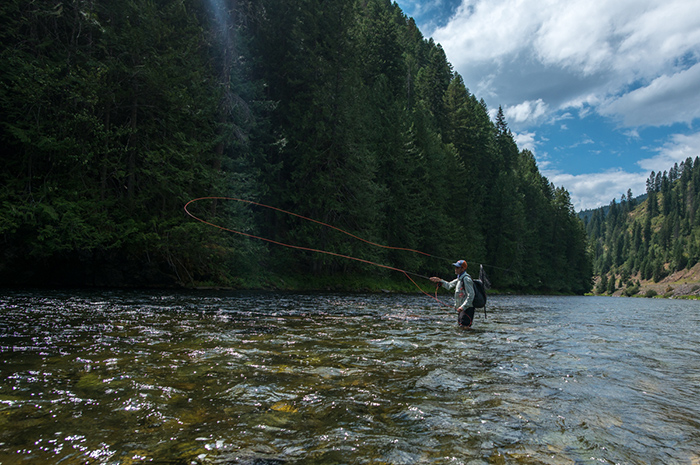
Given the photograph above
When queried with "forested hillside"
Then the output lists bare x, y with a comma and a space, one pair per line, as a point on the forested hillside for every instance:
633, 241
116, 113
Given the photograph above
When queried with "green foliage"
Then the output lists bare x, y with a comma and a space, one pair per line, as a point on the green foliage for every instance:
631, 288
654, 237
115, 114
611, 285
110, 113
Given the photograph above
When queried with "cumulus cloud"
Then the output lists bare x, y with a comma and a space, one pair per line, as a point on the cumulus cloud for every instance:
678, 148
526, 111
485, 31
666, 100
526, 141
587, 51
592, 190
577, 34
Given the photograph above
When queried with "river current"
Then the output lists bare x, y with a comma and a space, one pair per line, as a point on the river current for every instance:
125, 377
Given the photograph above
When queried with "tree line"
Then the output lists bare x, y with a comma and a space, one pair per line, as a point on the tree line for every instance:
116, 113
648, 239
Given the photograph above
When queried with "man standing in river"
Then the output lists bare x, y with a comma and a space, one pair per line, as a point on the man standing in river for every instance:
464, 293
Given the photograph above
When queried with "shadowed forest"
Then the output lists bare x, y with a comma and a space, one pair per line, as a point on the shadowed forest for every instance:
114, 114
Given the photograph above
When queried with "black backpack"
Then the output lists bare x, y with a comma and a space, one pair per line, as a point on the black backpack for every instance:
479, 294
480, 287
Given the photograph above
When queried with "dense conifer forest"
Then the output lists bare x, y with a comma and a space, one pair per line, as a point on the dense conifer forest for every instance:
114, 114
650, 237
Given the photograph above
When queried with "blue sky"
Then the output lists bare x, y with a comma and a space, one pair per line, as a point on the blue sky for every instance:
601, 91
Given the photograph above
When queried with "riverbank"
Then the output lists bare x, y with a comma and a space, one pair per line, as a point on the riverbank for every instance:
684, 284
309, 283
354, 283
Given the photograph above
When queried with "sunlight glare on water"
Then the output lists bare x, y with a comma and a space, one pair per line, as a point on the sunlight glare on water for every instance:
224, 377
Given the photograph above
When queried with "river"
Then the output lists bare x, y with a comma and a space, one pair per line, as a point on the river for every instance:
124, 377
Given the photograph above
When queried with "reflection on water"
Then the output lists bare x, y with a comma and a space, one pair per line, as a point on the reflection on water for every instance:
255, 378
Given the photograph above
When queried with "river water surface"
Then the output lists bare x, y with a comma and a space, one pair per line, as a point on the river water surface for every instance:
269, 378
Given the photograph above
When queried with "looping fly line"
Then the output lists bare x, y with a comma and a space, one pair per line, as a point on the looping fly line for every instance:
309, 249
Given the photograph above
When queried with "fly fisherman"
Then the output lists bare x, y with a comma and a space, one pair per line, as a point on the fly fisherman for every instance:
464, 293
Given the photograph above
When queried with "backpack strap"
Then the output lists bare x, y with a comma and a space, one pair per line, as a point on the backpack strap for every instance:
464, 284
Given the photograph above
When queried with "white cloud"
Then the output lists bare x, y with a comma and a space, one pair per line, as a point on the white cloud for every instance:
633, 134
592, 190
657, 34
485, 31
577, 34
556, 118
526, 141
677, 149
527, 111
666, 100
576, 53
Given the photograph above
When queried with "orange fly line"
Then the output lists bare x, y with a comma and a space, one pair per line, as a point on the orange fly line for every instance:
308, 249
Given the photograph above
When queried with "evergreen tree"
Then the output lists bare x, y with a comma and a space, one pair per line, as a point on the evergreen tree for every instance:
611, 285
115, 114
108, 135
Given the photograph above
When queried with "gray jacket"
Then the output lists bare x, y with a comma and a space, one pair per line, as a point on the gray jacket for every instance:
464, 290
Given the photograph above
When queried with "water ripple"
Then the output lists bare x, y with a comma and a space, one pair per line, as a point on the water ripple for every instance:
217, 377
